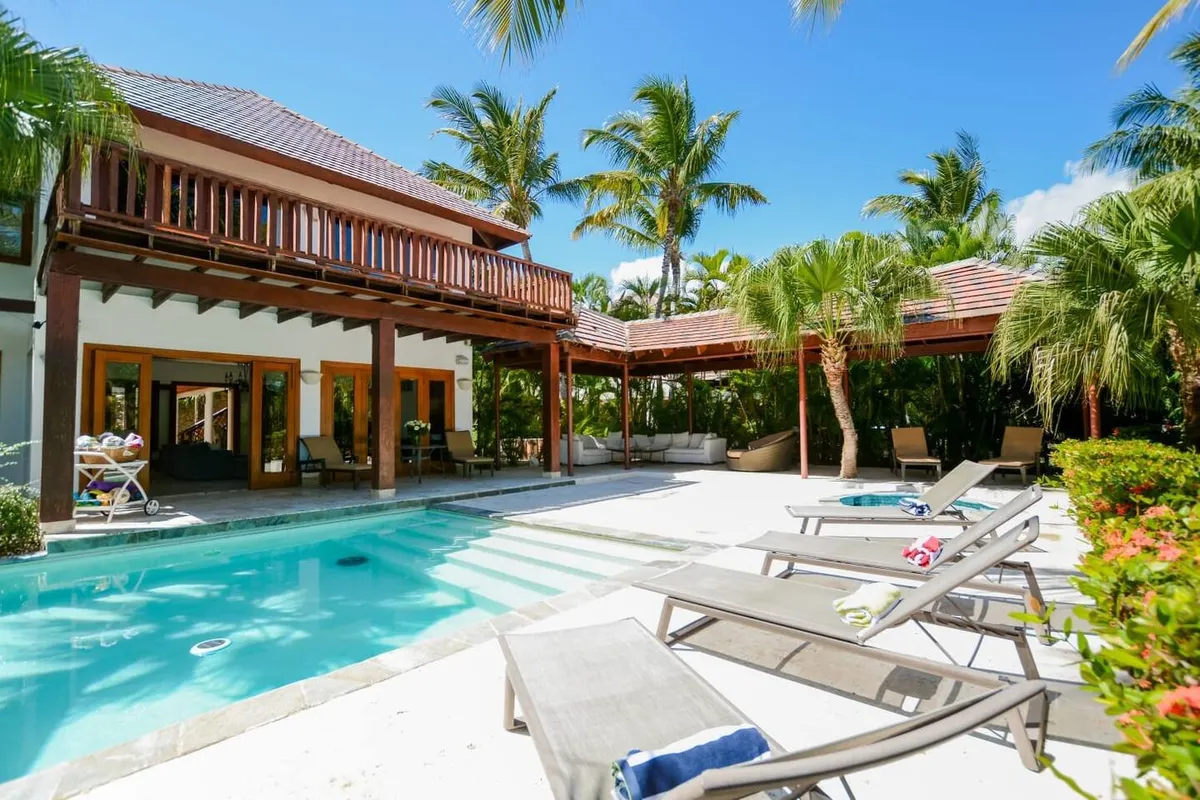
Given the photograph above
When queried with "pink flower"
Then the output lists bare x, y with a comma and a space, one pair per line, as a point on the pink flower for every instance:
1140, 539
1158, 511
1183, 701
1169, 552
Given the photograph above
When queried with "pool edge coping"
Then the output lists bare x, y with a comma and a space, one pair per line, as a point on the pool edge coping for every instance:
83, 774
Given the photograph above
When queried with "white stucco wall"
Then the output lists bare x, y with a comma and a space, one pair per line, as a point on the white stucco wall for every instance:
128, 320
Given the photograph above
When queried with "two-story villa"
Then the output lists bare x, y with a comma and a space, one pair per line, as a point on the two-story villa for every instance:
245, 278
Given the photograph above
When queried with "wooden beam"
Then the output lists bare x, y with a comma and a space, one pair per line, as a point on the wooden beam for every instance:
689, 398
351, 324
802, 420
248, 309
100, 268
206, 304
451, 338
496, 402
409, 330
383, 395
285, 315
625, 411
551, 409
58, 398
430, 335
14, 306
107, 290
159, 297
322, 319
570, 418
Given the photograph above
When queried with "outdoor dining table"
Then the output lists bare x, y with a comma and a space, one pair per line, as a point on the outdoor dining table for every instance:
418, 454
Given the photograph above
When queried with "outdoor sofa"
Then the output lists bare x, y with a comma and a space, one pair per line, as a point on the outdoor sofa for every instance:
589, 450
672, 448
768, 454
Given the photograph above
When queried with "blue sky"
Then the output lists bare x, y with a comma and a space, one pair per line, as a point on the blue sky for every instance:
827, 119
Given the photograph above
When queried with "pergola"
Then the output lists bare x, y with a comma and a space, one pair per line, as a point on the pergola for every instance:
974, 295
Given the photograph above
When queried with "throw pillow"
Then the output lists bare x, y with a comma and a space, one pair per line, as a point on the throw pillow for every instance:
696, 441
679, 440
614, 442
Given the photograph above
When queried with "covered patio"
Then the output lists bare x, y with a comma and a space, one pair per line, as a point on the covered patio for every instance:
974, 295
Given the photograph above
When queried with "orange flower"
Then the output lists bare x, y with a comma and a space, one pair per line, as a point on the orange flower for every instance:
1169, 552
1103, 506
1124, 508
1140, 538
1157, 511
1183, 701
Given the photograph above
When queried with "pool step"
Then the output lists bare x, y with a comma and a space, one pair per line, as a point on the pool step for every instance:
590, 566
545, 579
630, 555
484, 589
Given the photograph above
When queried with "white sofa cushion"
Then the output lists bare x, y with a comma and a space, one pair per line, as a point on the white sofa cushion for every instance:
678, 440
711, 451
695, 440
614, 441
641, 440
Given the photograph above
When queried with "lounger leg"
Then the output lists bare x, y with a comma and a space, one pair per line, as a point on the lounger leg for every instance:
511, 723
903, 473
1038, 714
664, 620
1017, 727
1024, 477
768, 559
1035, 603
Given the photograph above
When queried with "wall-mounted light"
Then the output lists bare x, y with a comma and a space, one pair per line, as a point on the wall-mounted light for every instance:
310, 376
461, 360
464, 383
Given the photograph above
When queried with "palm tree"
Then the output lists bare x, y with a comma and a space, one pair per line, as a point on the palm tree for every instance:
638, 299
847, 293
1119, 286
1156, 134
710, 276
51, 100
591, 291
955, 193
662, 181
506, 166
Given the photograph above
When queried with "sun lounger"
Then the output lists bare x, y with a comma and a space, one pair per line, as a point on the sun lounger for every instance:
804, 609
462, 451
910, 450
1020, 449
590, 695
940, 498
325, 449
882, 556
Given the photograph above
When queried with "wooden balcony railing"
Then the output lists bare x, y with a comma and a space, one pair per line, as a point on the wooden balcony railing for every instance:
176, 198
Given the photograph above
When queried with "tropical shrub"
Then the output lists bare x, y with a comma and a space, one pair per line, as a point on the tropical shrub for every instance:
19, 532
1137, 504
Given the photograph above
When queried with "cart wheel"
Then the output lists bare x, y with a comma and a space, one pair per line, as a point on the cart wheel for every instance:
151, 508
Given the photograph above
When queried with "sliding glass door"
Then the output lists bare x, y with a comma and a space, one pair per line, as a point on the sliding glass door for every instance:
274, 423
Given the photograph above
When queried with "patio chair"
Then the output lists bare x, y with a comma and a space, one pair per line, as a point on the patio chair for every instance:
462, 451
1020, 449
324, 448
804, 609
940, 498
910, 450
768, 454
883, 557
589, 695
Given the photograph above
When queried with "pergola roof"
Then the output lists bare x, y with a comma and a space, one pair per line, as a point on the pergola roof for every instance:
974, 294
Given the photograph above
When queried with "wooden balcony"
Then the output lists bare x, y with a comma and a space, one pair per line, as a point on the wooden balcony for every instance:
231, 217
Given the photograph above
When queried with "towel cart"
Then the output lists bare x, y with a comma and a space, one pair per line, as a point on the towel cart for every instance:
125, 472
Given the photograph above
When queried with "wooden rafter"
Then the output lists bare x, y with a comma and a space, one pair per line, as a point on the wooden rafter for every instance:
248, 309
160, 297
430, 335
351, 324
407, 330
322, 319
107, 290
451, 338
205, 304
284, 315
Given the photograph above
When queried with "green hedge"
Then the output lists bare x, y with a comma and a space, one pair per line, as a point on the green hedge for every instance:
1137, 504
19, 532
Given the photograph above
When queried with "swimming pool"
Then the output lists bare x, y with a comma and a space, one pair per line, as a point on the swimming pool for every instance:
96, 650
894, 498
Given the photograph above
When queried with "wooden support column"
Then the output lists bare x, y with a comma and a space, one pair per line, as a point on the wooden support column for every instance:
551, 411
58, 398
689, 394
496, 406
625, 411
383, 397
570, 417
803, 418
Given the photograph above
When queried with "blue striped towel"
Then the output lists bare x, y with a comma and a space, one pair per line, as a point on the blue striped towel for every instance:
647, 774
915, 507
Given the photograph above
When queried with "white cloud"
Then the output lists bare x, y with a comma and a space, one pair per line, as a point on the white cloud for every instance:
1061, 201
649, 267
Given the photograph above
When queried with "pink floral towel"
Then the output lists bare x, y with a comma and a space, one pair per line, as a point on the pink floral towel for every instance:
923, 552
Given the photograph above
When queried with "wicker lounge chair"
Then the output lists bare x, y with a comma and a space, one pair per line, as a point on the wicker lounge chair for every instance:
804, 609
589, 695
1020, 449
324, 448
462, 451
910, 450
768, 454
940, 498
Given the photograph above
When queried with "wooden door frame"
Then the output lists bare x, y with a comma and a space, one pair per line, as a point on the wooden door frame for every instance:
289, 477
93, 393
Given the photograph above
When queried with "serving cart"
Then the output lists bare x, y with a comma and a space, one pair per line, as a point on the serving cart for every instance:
97, 465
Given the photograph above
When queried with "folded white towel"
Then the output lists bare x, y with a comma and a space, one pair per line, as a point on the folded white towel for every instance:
868, 604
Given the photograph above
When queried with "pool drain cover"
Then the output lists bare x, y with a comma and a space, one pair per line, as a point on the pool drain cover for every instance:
351, 561
209, 646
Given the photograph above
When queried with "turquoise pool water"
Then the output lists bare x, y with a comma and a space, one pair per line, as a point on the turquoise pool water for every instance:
94, 650
894, 498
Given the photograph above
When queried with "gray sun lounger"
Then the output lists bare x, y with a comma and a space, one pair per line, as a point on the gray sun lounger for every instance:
804, 609
589, 695
940, 497
882, 556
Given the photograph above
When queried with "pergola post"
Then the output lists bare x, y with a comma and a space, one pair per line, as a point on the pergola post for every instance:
551, 411
570, 417
496, 407
689, 395
803, 417
383, 395
625, 411
58, 409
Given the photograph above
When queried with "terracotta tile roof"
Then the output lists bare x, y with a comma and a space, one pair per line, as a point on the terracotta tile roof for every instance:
972, 288
253, 119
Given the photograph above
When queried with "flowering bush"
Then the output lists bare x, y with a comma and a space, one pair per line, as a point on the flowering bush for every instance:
19, 532
1138, 504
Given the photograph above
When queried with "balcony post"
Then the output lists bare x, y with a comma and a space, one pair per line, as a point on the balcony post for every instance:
383, 395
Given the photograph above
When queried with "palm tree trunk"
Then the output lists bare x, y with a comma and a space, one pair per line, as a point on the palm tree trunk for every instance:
525, 251
668, 245
833, 362
676, 289
1093, 400
1187, 362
